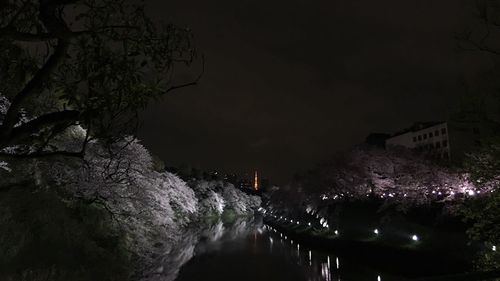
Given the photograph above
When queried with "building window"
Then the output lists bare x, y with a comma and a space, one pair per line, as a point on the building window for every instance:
446, 155
445, 143
430, 135
419, 138
443, 131
436, 133
414, 139
438, 144
425, 136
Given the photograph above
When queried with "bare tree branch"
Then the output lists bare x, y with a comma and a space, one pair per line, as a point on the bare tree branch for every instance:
192, 83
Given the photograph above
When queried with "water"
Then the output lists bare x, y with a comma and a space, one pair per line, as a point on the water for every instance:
253, 251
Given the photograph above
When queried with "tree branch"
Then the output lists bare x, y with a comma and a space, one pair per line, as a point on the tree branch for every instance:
13, 34
192, 83
36, 125
25, 36
11, 117
45, 154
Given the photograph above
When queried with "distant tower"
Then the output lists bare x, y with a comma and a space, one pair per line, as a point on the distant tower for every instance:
256, 182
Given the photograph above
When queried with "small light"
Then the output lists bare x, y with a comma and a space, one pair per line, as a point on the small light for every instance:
494, 248
336, 232
309, 224
379, 278
414, 237
375, 231
298, 223
471, 192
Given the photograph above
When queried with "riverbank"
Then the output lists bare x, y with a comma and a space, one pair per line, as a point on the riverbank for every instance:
414, 260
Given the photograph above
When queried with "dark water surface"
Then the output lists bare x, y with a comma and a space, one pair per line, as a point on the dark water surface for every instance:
253, 251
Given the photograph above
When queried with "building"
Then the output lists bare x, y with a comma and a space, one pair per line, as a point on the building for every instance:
256, 182
429, 137
449, 140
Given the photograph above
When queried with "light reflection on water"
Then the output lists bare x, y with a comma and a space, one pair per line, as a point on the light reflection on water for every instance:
318, 265
252, 251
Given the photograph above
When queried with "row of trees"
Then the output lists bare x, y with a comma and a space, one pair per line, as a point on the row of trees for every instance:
81, 198
370, 172
113, 207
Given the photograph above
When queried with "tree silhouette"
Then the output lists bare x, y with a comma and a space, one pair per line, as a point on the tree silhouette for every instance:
88, 63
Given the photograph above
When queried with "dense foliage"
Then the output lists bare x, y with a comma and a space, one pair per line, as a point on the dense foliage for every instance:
84, 63
398, 175
143, 212
81, 198
484, 213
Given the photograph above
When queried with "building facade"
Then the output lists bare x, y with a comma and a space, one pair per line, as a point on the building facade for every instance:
432, 138
449, 140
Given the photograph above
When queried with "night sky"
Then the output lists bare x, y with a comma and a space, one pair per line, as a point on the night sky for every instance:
288, 83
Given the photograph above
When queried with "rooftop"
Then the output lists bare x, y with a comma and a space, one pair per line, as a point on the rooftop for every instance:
417, 127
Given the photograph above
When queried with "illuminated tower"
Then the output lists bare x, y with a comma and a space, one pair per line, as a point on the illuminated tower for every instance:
256, 182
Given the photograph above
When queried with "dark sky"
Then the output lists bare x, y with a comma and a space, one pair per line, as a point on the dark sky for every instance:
288, 83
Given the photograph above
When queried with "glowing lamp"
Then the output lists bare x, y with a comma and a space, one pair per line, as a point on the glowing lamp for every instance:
414, 237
